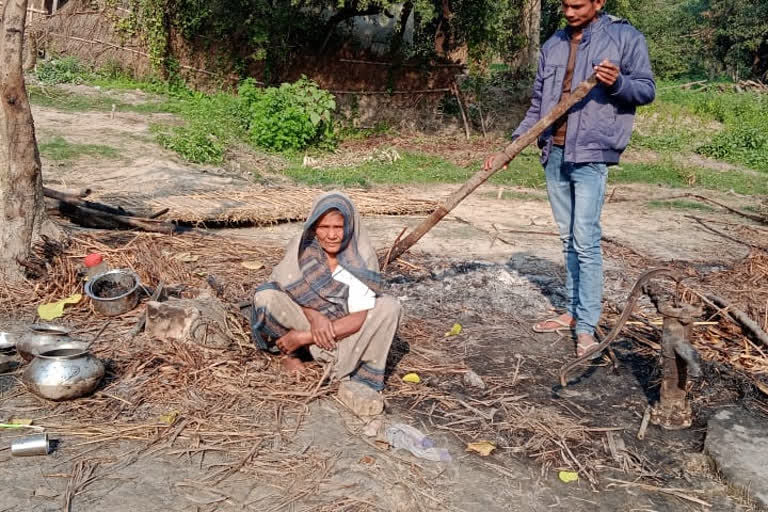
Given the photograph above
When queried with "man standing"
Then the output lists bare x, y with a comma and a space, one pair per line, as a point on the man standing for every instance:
579, 146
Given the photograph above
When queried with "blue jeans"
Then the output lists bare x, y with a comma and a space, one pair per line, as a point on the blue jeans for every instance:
576, 193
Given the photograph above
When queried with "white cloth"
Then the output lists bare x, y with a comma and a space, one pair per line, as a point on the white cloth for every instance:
361, 298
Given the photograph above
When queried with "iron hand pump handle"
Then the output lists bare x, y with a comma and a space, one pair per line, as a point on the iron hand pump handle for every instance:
637, 290
500, 160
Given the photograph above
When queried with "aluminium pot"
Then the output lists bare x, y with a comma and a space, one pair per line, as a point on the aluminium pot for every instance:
63, 373
114, 292
40, 335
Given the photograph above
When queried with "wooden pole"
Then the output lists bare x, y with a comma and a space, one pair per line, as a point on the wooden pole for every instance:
499, 161
455, 88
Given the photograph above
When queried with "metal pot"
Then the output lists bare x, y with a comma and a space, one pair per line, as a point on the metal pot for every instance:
114, 292
40, 335
8, 340
63, 373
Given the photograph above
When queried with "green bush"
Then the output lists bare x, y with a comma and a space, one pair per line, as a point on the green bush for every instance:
290, 117
744, 144
65, 70
194, 144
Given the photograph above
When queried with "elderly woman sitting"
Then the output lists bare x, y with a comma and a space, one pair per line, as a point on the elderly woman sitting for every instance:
326, 295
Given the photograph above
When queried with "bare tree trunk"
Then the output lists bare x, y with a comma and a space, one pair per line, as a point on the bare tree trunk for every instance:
22, 206
532, 23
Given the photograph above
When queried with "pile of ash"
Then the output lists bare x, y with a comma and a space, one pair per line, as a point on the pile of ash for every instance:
477, 291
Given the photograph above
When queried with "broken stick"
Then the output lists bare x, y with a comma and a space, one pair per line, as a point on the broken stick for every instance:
499, 161
742, 318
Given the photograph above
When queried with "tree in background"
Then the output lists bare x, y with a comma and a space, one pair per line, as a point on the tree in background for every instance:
22, 207
270, 31
692, 38
738, 36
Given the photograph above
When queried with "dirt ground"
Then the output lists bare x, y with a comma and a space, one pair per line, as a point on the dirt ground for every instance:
494, 267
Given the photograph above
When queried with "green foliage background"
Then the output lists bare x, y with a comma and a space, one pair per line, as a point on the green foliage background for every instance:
693, 38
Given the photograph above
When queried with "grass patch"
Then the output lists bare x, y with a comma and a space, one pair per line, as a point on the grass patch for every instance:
679, 204
727, 126
292, 116
517, 195
677, 176
52, 97
212, 121
411, 168
524, 172
59, 149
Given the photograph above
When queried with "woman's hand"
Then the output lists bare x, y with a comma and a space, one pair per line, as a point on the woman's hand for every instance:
323, 335
321, 328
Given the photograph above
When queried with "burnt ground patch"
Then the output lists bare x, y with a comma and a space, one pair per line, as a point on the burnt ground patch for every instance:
522, 408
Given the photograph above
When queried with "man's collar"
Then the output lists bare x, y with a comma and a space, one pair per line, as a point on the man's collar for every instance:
586, 31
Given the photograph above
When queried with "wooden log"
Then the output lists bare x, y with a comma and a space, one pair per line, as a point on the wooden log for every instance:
76, 199
499, 161
742, 318
102, 219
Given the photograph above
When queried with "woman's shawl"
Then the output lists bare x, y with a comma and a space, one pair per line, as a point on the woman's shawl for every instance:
304, 273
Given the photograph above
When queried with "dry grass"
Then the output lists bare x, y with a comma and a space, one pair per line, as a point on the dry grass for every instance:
260, 205
189, 400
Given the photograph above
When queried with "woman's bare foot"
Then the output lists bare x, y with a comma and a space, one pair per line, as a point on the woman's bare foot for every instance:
291, 342
293, 364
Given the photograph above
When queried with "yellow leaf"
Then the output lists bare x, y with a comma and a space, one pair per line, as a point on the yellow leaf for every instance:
413, 378
169, 418
484, 448
568, 476
20, 421
56, 309
253, 265
455, 330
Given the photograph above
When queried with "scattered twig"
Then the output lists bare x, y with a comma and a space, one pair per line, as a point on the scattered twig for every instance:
756, 218
742, 318
456, 93
679, 493
703, 224
644, 423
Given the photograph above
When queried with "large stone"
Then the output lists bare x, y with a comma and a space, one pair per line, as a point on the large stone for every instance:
738, 443
202, 320
361, 399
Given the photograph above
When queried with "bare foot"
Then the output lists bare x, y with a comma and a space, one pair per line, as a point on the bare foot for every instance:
290, 343
292, 364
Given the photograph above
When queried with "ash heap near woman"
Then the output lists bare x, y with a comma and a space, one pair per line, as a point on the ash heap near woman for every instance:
325, 298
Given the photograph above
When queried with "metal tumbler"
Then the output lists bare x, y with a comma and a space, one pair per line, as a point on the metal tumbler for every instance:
30, 445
